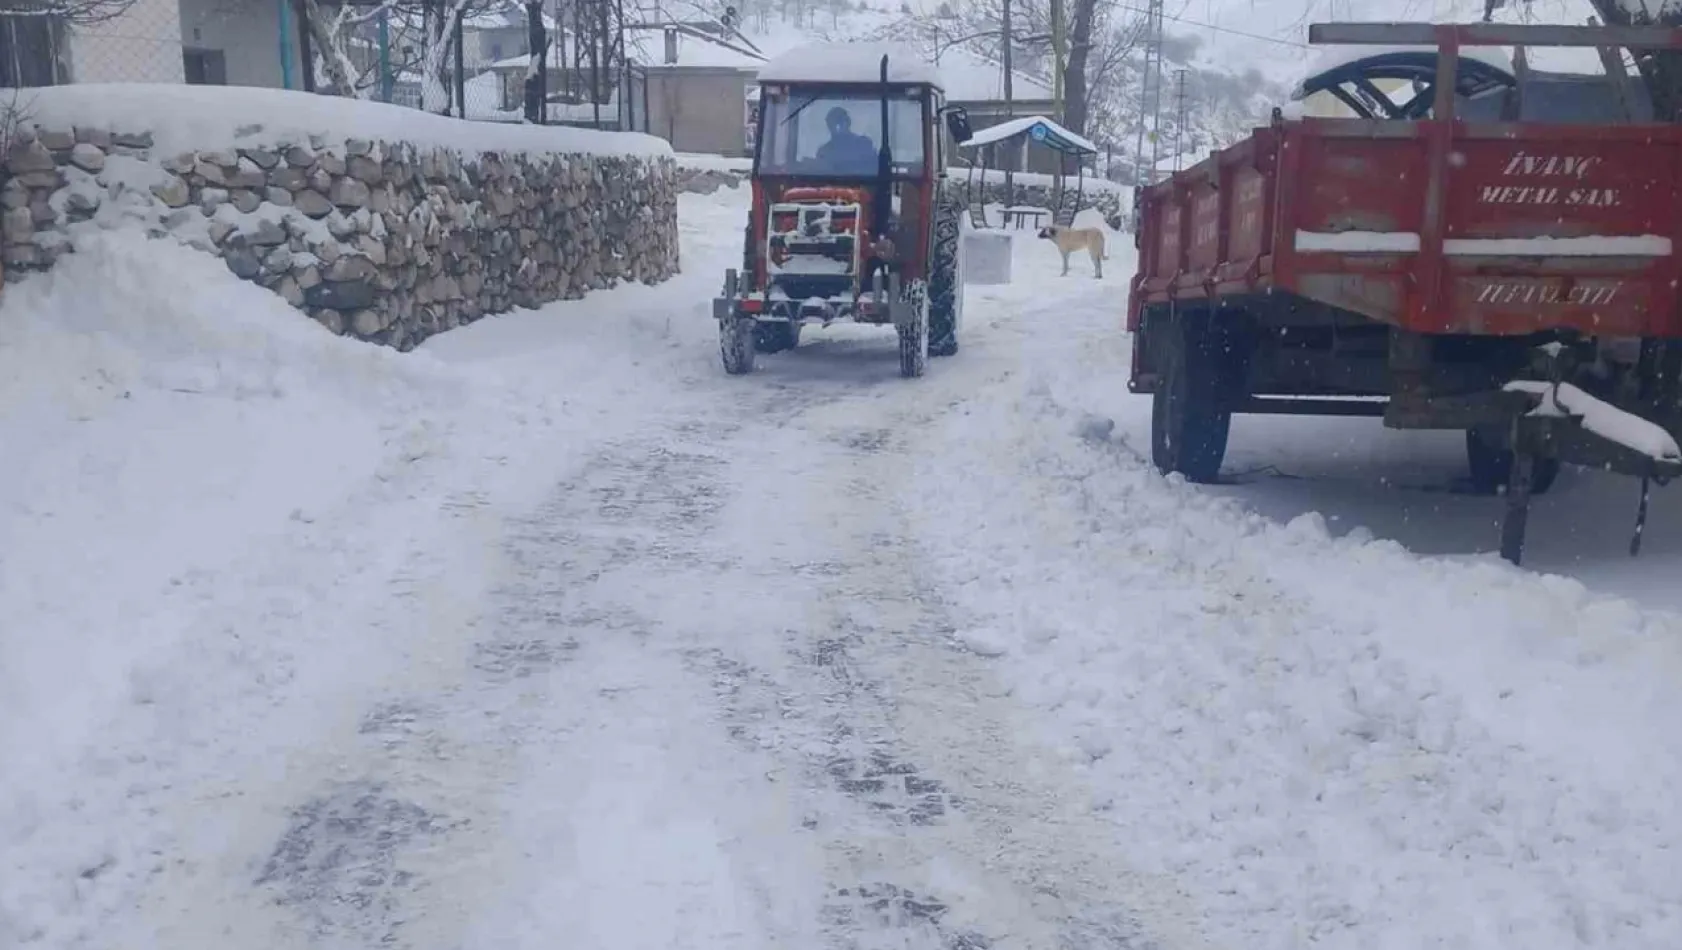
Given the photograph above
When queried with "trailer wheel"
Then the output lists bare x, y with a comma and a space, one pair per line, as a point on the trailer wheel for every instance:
735, 345
1491, 465
772, 337
1190, 421
946, 290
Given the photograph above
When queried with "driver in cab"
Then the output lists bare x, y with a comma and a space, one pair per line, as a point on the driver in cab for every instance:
846, 152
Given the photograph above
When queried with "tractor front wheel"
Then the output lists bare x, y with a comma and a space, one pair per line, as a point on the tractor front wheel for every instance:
735, 345
913, 330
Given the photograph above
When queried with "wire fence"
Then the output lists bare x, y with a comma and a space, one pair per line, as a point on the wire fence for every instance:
410, 53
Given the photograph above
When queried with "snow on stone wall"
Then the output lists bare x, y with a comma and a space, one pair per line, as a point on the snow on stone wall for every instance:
388, 240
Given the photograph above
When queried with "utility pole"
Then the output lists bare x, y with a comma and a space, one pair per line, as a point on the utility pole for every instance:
1179, 112
1006, 39
1150, 95
1059, 56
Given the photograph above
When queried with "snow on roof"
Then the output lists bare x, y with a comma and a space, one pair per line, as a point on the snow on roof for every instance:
648, 47
1036, 127
185, 118
969, 77
851, 63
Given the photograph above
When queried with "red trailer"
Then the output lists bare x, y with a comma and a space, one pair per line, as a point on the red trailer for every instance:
1462, 259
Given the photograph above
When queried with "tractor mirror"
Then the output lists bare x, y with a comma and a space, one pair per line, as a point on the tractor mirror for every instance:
957, 122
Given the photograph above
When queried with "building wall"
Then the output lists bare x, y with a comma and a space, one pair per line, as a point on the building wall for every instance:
247, 33
141, 44
699, 110
487, 46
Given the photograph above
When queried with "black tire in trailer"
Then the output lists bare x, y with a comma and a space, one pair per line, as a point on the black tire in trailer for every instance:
1191, 414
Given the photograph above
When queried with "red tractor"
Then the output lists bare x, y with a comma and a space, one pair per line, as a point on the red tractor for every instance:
853, 217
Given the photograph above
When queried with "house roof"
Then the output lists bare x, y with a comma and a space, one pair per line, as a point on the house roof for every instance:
974, 78
851, 63
648, 47
510, 18
1037, 128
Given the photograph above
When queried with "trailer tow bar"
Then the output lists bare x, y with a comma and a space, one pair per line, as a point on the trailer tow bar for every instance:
1641, 511
1517, 519
1640, 517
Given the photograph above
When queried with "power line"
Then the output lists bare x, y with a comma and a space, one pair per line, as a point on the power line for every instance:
1217, 29
1179, 112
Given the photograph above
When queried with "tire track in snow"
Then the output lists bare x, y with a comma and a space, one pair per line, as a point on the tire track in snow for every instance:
1001, 859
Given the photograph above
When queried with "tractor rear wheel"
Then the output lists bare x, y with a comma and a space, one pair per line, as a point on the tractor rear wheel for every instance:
1190, 418
946, 286
1491, 465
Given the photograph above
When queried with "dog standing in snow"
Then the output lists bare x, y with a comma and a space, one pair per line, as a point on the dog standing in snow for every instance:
1070, 240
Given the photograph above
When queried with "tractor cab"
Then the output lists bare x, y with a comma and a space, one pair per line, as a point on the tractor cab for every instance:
852, 215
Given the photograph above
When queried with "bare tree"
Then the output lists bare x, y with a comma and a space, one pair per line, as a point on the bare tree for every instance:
1661, 70
421, 39
70, 12
1085, 59
537, 69
335, 31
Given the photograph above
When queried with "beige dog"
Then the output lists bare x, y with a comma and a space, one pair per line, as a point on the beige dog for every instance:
1070, 240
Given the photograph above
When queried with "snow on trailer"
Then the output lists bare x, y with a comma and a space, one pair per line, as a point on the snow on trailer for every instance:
1274, 277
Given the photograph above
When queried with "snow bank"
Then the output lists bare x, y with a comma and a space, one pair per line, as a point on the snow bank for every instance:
228, 537
161, 420
714, 163
1328, 743
184, 118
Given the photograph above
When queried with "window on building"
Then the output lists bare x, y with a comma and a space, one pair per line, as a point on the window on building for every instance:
205, 67
28, 48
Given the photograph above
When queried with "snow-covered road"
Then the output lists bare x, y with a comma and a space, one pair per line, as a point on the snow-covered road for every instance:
552, 635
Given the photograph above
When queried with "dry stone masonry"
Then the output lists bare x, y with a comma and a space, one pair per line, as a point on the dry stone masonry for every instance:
385, 241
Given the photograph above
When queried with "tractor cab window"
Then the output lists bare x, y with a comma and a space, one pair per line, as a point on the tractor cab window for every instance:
838, 135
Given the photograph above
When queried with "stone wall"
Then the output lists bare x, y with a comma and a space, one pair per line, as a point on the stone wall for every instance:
1100, 195
385, 241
